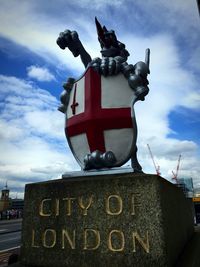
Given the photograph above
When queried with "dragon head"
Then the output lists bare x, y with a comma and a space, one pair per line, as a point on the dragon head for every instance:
111, 47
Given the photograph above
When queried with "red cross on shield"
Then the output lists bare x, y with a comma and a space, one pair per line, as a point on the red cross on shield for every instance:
100, 116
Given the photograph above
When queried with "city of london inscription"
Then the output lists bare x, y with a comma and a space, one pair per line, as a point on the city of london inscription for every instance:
75, 234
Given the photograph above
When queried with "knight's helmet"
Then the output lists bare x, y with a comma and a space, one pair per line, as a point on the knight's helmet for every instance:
111, 47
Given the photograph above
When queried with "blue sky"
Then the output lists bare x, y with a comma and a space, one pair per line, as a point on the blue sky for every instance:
33, 68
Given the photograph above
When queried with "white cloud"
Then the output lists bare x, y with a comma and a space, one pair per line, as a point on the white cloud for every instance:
35, 31
33, 27
171, 86
32, 135
97, 5
192, 100
40, 74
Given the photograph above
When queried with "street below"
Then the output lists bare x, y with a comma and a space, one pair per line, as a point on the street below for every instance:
7, 226
10, 239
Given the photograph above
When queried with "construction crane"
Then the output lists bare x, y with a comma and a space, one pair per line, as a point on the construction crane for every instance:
157, 168
175, 174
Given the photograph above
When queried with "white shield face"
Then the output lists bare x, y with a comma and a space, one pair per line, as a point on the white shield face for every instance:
100, 116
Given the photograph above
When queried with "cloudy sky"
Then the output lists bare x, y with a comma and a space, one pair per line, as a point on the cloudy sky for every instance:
32, 69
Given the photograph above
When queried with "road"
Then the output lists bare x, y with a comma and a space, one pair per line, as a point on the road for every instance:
10, 226
10, 239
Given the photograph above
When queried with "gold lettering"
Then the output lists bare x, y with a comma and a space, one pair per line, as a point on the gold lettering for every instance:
57, 207
144, 244
41, 208
118, 210
134, 202
69, 205
33, 240
120, 237
94, 245
85, 207
49, 244
70, 240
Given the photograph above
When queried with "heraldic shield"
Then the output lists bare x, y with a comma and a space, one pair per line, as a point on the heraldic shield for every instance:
100, 119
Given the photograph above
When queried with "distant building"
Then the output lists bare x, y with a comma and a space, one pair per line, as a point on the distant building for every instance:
197, 192
186, 184
5, 200
17, 204
196, 201
10, 208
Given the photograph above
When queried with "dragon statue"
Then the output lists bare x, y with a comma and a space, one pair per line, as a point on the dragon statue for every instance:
113, 61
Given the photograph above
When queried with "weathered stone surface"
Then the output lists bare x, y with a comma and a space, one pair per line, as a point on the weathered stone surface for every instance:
190, 254
128, 220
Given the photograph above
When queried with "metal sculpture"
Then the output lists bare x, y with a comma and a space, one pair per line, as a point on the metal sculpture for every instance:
101, 127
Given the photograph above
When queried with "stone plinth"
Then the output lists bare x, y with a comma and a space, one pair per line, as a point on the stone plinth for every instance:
106, 220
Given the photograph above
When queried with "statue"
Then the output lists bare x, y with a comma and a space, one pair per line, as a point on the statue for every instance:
101, 127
